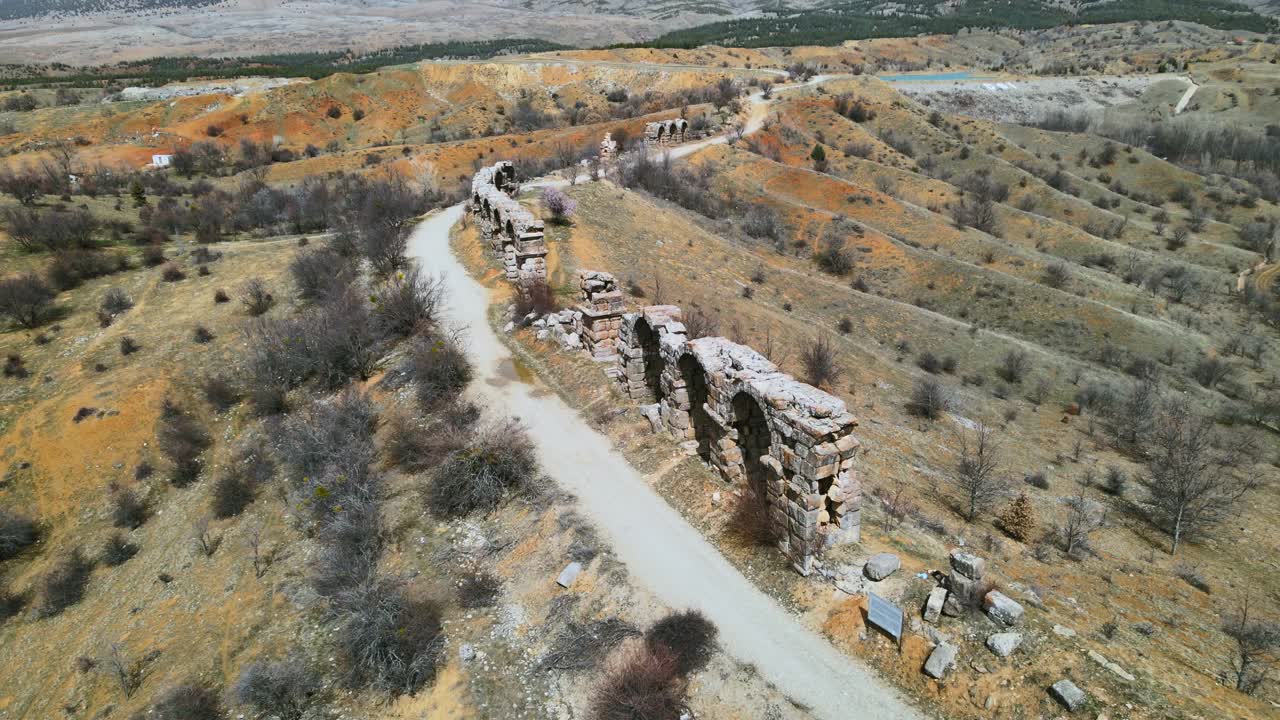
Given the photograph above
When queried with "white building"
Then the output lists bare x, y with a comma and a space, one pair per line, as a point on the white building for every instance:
161, 161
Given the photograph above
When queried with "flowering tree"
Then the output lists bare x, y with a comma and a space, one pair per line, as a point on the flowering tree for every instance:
560, 206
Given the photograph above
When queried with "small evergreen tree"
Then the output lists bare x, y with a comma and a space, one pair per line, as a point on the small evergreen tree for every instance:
1019, 518
819, 158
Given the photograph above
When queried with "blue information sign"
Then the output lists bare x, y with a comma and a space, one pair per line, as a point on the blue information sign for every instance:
884, 615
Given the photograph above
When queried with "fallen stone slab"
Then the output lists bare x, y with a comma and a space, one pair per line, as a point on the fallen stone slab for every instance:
1003, 644
569, 574
1001, 608
933, 606
881, 566
1113, 667
941, 661
1066, 692
1063, 631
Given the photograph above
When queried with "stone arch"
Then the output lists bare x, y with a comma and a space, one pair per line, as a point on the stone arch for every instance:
662, 131
696, 388
754, 440
648, 340
511, 230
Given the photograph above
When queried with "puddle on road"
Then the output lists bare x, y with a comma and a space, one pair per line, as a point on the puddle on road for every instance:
511, 370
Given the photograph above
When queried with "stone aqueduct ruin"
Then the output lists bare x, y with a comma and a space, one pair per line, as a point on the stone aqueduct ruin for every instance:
790, 442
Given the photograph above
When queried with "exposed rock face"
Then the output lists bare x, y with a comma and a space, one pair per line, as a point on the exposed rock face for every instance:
1002, 609
881, 566
941, 661
1003, 644
1066, 692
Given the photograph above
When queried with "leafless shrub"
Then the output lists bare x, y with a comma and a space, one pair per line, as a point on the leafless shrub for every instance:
256, 297
415, 445
172, 273
440, 370
479, 590
283, 688
202, 335
64, 586
127, 673
497, 464
821, 367
182, 440
1192, 577
643, 685
1014, 366
206, 541
129, 346
321, 273
26, 300
117, 550
116, 301
220, 393
232, 493
11, 603
388, 640
688, 635
187, 701
930, 399
584, 647
750, 523
220, 296
17, 532
407, 302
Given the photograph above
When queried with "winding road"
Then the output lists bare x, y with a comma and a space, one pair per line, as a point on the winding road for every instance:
661, 551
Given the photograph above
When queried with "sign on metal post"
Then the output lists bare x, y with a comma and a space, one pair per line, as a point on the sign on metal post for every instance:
885, 615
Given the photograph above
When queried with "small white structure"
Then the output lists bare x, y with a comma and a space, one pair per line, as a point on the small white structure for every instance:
161, 161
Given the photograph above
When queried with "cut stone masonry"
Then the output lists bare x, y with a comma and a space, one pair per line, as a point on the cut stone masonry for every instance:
512, 233
789, 442
666, 132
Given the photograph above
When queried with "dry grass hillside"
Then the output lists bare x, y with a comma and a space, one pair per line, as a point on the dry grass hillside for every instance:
967, 272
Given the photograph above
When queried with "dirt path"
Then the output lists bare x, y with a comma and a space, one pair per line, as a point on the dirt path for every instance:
661, 550
1186, 96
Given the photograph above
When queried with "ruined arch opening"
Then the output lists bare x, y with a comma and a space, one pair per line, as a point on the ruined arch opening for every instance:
511, 230
695, 384
652, 354
754, 441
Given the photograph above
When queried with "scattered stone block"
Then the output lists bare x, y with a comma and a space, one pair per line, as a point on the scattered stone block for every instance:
1002, 609
1003, 644
941, 661
968, 564
933, 606
569, 575
1063, 631
881, 566
1113, 667
1066, 692
952, 607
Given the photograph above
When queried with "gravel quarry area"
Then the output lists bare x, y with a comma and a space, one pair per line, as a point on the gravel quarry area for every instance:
193, 89
1019, 100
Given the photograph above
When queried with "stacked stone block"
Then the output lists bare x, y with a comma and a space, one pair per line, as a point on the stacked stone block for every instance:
602, 306
964, 584
640, 359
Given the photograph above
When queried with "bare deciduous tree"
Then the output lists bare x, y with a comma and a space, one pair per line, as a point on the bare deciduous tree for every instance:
977, 473
1192, 490
1257, 647
1082, 517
